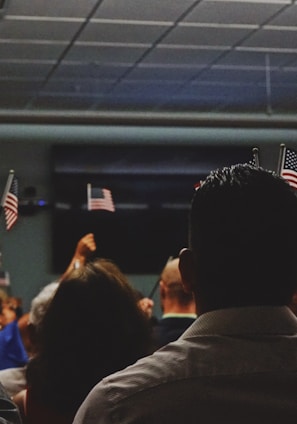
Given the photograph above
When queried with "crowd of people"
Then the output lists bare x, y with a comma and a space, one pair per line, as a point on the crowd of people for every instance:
91, 351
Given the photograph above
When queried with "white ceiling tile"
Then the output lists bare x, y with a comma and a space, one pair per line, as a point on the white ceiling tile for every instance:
153, 10
62, 102
288, 17
227, 75
38, 30
14, 101
121, 33
206, 36
292, 62
90, 70
285, 96
162, 73
287, 76
273, 39
14, 85
232, 12
251, 58
104, 54
28, 51
237, 93
78, 86
58, 8
24, 70
181, 56
154, 86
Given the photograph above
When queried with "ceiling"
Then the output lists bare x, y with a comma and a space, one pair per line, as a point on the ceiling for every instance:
151, 56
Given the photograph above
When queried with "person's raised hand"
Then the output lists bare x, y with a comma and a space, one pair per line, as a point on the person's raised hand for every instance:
85, 246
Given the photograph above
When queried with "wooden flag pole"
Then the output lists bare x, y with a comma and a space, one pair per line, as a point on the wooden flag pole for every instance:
256, 157
89, 196
158, 280
281, 159
7, 187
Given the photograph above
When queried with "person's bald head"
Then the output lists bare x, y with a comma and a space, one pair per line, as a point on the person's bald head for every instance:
171, 287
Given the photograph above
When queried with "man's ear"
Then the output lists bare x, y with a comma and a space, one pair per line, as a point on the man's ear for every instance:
162, 287
187, 270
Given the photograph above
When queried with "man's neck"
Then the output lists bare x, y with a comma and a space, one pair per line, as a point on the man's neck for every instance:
175, 308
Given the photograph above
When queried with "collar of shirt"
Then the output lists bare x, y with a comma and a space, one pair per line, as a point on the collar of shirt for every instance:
179, 315
258, 320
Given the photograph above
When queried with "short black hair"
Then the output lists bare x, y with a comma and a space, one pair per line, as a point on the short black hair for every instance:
243, 232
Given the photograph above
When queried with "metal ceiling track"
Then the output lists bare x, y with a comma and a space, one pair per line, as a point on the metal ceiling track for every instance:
172, 119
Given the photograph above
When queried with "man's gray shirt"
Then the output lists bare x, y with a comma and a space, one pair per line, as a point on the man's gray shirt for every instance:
231, 366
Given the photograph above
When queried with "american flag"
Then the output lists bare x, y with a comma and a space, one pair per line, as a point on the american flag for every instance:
289, 168
197, 185
10, 204
4, 279
99, 198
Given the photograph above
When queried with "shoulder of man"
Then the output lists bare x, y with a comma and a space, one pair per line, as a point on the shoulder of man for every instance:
108, 397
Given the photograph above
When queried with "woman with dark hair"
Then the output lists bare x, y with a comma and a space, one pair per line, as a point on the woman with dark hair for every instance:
92, 328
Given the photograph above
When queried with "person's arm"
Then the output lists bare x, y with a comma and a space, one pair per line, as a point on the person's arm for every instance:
84, 248
9, 412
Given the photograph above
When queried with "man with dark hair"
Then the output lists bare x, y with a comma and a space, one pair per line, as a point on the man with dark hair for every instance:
237, 363
243, 229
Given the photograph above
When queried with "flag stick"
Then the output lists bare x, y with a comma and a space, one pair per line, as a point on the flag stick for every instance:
89, 195
281, 158
7, 187
268, 84
256, 156
158, 280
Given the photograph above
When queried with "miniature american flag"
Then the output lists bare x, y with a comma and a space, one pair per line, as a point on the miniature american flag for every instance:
289, 169
99, 198
10, 204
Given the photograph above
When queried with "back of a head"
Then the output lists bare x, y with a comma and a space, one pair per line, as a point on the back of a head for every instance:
92, 328
171, 278
96, 307
243, 232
